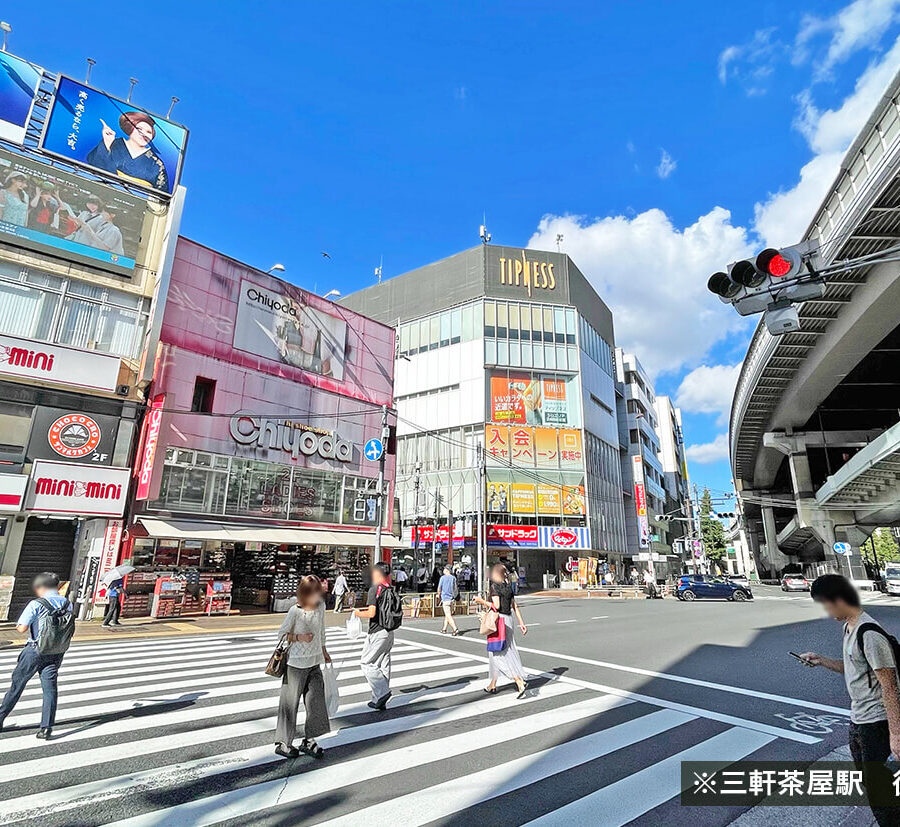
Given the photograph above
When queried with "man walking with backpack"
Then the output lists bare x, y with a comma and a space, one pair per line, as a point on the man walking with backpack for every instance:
384, 611
869, 667
49, 621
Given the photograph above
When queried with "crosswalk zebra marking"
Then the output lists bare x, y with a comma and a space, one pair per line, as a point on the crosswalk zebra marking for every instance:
91, 793
239, 802
646, 789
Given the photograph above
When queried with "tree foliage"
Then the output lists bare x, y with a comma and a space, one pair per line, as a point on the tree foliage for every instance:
711, 531
886, 548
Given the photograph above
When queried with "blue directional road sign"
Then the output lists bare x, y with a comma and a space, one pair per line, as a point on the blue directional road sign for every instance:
842, 548
373, 450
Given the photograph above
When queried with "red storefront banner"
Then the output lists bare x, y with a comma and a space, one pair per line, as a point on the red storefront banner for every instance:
109, 557
152, 425
425, 533
513, 536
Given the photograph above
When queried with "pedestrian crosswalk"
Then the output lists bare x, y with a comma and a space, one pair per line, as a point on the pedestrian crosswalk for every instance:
180, 732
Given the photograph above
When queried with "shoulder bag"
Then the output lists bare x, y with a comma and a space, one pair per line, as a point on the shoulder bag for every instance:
277, 666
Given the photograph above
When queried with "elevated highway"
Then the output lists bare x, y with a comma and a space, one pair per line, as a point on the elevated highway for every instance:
813, 430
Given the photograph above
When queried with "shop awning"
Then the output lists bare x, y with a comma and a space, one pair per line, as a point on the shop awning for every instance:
201, 530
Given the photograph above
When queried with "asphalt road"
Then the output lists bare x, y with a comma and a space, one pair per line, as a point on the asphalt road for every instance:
179, 731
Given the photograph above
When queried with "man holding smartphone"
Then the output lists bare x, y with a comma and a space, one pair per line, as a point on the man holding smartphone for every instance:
869, 667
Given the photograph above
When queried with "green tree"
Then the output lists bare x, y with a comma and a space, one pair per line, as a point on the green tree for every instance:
711, 531
886, 548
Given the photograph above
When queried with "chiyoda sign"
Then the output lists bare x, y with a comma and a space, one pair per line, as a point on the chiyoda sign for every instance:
292, 437
69, 488
152, 424
64, 365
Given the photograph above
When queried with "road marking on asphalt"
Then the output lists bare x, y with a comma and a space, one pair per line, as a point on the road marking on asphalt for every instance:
697, 712
441, 800
600, 617
735, 690
238, 802
625, 800
567, 621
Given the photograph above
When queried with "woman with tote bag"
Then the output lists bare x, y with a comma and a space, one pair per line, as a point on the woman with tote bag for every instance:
304, 630
503, 657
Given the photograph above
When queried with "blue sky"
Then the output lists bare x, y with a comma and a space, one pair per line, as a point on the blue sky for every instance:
662, 139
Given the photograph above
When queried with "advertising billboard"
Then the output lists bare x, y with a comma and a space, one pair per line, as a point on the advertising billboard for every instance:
526, 399
281, 326
19, 81
75, 436
543, 498
640, 501
112, 137
87, 490
522, 447
50, 211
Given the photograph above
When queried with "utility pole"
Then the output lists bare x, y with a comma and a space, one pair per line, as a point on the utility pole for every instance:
695, 509
416, 485
434, 539
385, 433
480, 523
450, 536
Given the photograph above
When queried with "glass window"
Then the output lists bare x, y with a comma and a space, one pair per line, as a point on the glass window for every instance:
490, 319
26, 312
570, 327
424, 334
513, 321
548, 324
404, 338
515, 354
502, 352
78, 323
414, 337
455, 326
434, 336
478, 323
559, 321
549, 356
468, 331
445, 329
573, 358
536, 325
525, 323
526, 355
502, 320
538, 355
490, 351
561, 361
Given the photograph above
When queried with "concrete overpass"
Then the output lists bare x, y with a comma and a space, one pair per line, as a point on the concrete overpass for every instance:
814, 439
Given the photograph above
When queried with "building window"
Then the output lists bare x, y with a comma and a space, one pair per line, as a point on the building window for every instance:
204, 391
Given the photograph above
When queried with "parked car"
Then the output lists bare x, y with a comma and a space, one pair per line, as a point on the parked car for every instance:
794, 583
697, 586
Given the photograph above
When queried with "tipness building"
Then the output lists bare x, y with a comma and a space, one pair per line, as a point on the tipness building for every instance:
509, 351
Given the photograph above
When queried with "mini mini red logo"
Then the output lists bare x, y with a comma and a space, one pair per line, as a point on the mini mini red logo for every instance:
74, 436
564, 537
23, 358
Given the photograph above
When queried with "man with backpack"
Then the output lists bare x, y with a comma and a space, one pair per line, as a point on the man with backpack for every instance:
869, 667
49, 621
384, 611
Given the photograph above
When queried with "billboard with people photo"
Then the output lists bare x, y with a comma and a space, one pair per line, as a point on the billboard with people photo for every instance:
44, 209
113, 137
533, 399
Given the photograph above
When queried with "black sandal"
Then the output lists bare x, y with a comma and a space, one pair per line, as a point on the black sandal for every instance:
286, 751
311, 748
491, 691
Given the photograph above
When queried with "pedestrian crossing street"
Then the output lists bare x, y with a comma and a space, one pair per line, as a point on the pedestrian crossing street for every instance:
180, 732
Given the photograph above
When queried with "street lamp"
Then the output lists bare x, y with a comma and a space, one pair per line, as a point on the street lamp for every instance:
276, 268
330, 293
6, 29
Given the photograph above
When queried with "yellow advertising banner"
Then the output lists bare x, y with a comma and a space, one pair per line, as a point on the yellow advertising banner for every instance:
496, 443
571, 454
573, 500
522, 499
521, 442
546, 451
549, 500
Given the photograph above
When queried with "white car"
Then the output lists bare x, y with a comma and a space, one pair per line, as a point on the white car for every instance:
794, 583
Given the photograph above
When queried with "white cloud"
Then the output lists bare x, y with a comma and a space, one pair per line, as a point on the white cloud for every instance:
859, 25
708, 389
666, 166
706, 453
784, 216
751, 63
653, 275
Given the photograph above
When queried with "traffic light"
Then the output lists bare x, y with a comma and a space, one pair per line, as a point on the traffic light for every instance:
771, 283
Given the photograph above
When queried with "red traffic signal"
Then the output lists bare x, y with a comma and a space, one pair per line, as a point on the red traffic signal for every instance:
778, 264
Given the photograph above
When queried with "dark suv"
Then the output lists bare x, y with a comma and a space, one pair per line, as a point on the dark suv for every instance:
696, 586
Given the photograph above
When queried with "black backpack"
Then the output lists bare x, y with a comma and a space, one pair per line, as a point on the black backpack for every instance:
56, 629
895, 645
390, 609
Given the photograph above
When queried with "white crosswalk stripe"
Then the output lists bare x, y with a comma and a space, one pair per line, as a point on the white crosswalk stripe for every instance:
180, 732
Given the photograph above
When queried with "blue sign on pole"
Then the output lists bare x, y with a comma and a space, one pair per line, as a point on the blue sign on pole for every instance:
842, 548
373, 450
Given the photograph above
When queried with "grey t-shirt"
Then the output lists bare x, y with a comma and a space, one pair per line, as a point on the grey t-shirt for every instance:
866, 705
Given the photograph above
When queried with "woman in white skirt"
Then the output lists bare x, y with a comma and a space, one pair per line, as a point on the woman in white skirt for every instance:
507, 661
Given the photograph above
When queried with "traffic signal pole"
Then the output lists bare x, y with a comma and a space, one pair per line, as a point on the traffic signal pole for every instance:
385, 433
